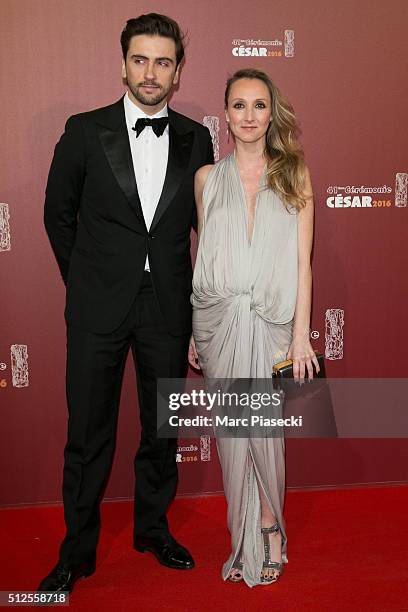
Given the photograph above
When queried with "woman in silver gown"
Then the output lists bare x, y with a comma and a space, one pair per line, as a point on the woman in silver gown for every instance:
251, 301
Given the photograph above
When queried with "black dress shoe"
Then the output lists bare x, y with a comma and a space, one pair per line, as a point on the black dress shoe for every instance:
63, 577
167, 551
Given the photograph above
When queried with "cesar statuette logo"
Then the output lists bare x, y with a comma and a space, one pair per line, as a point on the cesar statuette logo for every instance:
277, 47
374, 196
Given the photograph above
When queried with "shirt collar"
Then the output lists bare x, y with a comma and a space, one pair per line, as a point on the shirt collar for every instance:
133, 112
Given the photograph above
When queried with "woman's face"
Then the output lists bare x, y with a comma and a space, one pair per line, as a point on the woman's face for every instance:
249, 109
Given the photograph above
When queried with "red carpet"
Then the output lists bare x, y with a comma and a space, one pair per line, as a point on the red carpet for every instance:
348, 550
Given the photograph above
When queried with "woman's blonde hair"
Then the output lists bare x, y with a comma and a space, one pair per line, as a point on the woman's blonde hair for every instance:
286, 169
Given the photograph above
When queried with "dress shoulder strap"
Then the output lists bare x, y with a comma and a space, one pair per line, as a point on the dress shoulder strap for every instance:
214, 184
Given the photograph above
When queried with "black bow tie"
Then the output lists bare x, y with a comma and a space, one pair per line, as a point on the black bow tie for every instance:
158, 125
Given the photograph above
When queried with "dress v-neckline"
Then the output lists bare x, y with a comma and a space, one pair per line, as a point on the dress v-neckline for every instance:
244, 199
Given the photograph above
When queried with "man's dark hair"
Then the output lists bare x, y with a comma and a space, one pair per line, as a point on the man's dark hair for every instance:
153, 24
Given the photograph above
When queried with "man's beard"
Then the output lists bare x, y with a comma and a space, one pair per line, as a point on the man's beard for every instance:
148, 101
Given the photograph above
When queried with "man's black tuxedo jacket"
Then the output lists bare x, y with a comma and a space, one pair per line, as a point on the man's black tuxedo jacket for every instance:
95, 224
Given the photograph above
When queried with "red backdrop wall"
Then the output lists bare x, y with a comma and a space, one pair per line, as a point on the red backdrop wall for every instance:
343, 66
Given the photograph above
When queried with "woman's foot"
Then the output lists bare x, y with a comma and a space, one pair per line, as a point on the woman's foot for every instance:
236, 574
272, 565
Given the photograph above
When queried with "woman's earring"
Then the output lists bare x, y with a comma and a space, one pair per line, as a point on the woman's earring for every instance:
228, 131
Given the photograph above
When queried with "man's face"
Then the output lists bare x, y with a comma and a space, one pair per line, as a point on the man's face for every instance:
150, 71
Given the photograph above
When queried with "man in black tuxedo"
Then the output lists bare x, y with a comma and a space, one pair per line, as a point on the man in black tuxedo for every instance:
118, 212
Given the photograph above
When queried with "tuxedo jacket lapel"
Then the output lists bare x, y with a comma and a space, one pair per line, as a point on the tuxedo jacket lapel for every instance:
180, 147
114, 138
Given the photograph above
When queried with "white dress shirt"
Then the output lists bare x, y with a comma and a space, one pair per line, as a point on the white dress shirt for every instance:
149, 155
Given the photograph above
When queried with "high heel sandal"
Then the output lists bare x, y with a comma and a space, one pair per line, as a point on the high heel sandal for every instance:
238, 577
268, 564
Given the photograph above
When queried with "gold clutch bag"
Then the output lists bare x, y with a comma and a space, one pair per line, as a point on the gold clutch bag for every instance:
284, 369
311, 402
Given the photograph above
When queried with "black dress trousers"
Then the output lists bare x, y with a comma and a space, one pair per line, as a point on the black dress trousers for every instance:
95, 366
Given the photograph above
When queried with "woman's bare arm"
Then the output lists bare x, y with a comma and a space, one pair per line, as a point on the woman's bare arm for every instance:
301, 350
199, 182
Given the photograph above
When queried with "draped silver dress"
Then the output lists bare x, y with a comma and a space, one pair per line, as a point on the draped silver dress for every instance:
244, 297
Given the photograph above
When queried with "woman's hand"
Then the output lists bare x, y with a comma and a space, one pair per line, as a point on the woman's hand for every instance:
192, 355
303, 356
